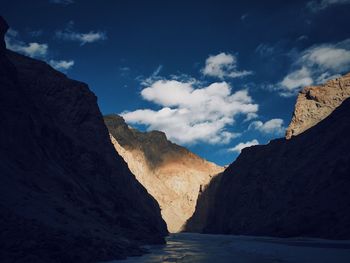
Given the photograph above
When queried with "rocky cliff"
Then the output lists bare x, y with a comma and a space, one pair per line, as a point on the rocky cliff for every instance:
315, 103
65, 194
295, 187
171, 174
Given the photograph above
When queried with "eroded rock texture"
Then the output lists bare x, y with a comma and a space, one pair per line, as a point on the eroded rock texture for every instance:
65, 194
171, 174
295, 187
315, 103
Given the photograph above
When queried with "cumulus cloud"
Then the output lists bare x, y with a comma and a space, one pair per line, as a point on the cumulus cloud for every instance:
63, 65
273, 126
316, 6
316, 65
191, 114
32, 49
239, 147
223, 65
84, 38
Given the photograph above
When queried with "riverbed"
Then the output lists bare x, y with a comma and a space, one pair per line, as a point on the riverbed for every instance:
193, 248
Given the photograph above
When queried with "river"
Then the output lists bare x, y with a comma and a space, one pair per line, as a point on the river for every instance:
193, 248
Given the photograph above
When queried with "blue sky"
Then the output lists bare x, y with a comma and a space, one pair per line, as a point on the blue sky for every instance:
214, 75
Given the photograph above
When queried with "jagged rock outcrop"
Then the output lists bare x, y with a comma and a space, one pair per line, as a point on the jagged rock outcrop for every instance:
314, 103
171, 174
65, 194
295, 187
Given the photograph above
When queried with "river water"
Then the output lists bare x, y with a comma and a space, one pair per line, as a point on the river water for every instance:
186, 247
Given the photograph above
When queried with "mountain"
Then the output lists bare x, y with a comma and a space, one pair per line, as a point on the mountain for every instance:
295, 187
65, 194
173, 175
314, 103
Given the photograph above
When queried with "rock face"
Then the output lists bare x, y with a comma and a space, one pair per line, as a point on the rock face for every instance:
65, 194
171, 174
315, 103
296, 187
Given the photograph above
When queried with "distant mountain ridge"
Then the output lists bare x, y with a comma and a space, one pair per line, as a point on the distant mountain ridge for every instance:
287, 188
173, 175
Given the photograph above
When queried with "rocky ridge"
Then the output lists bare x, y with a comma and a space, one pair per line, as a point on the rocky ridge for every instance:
171, 174
314, 103
287, 188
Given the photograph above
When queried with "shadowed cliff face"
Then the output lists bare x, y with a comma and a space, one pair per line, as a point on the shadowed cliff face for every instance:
171, 174
65, 194
315, 103
296, 187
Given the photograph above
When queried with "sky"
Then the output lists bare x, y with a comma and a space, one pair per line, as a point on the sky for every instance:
215, 76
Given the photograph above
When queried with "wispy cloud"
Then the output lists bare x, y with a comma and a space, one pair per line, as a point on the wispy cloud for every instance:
239, 147
152, 78
34, 50
68, 34
319, 5
273, 126
223, 65
62, 2
63, 65
244, 16
35, 33
315, 65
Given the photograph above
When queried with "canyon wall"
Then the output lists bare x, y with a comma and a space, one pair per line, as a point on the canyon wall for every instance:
65, 194
295, 187
171, 174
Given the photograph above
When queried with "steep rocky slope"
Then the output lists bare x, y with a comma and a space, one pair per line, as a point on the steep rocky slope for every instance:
295, 187
171, 174
65, 194
315, 103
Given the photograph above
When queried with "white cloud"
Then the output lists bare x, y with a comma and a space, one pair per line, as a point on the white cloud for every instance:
318, 5
154, 77
273, 126
189, 115
327, 57
294, 80
251, 116
61, 64
62, 2
32, 49
222, 66
239, 147
316, 65
84, 38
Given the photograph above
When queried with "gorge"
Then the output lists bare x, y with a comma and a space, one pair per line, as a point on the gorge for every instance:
80, 185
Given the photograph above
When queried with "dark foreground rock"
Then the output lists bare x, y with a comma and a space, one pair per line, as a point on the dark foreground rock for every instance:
295, 187
65, 194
